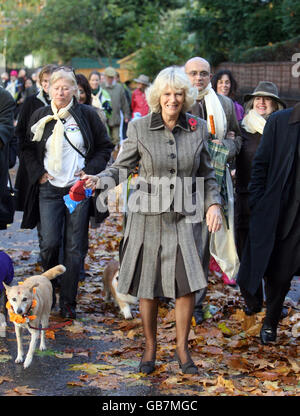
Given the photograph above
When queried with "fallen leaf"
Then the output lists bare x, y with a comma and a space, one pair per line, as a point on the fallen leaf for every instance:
228, 384
64, 355
266, 375
239, 315
131, 334
46, 353
75, 328
20, 391
271, 385
238, 363
90, 368
4, 358
75, 383
249, 322
254, 330
237, 343
296, 330
5, 379
212, 350
295, 364
224, 328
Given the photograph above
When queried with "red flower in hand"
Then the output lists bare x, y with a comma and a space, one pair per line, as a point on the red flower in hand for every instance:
192, 123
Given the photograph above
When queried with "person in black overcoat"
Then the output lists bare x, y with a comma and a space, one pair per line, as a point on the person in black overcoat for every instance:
272, 249
7, 106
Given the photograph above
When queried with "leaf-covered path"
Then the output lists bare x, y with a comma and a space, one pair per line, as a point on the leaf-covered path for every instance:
99, 353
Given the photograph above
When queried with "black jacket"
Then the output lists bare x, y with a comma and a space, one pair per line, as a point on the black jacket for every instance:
98, 150
30, 105
270, 174
7, 106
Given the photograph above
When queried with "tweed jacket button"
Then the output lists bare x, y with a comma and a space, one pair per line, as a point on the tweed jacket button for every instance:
171, 141
172, 171
172, 186
172, 156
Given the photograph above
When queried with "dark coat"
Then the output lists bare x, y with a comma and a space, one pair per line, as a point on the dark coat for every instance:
7, 106
271, 167
250, 142
29, 106
98, 150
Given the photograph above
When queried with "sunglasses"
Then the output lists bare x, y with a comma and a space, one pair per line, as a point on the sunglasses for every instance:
64, 68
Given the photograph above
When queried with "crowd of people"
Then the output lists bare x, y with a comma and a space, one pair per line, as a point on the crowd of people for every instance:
217, 187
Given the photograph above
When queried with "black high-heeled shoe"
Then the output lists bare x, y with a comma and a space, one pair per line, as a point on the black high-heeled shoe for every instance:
147, 367
187, 368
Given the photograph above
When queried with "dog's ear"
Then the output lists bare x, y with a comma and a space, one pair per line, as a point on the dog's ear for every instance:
6, 287
33, 286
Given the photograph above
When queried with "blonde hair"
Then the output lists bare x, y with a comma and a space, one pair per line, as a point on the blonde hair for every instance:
173, 77
66, 74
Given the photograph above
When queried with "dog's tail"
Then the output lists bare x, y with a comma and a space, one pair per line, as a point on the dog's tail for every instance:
55, 271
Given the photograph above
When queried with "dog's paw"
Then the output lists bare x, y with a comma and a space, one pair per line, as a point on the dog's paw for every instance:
27, 362
126, 312
42, 347
19, 359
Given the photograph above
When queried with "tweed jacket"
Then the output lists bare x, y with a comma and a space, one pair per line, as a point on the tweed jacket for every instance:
174, 167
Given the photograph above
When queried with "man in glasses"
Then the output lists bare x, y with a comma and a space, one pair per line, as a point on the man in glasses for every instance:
227, 133
199, 73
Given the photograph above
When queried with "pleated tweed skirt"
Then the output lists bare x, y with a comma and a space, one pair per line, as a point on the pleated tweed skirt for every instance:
159, 257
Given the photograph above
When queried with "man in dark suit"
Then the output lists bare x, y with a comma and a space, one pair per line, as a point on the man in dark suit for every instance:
273, 247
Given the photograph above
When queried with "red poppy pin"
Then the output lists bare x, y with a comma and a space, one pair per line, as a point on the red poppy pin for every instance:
193, 123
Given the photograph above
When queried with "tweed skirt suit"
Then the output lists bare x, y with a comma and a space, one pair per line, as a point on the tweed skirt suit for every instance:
159, 256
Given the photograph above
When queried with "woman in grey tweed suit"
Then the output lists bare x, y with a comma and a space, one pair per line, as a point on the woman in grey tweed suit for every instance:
159, 256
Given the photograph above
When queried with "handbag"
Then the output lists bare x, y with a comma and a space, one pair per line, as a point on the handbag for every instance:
8, 203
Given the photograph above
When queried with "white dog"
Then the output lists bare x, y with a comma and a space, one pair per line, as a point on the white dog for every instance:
29, 304
110, 283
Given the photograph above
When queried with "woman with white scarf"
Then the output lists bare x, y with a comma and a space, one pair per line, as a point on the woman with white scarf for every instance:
66, 140
258, 106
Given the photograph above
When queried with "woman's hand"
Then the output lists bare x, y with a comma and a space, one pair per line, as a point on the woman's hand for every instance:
45, 178
214, 218
230, 135
91, 181
81, 173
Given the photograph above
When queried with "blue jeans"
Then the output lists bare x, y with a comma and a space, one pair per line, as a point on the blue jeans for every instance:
60, 228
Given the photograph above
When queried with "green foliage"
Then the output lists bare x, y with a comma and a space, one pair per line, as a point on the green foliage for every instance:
290, 18
224, 29
69, 28
161, 42
164, 32
280, 51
